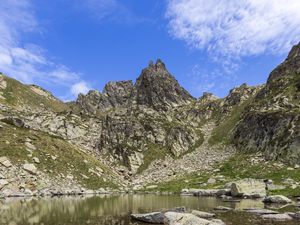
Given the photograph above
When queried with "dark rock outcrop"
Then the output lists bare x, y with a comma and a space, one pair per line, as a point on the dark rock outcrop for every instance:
158, 89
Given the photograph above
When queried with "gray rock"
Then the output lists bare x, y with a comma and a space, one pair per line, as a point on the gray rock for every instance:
277, 199
204, 215
248, 188
173, 218
3, 183
154, 217
30, 146
295, 215
13, 121
211, 181
36, 160
30, 168
5, 161
260, 211
278, 217
223, 209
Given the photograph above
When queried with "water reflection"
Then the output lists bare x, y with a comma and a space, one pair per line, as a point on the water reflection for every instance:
106, 209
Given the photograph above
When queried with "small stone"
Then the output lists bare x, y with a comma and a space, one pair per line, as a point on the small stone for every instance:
30, 146
5, 161
84, 176
223, 208
36, 160
99, 169
3, 183
211, 181
260, 211
151, 187
30, 168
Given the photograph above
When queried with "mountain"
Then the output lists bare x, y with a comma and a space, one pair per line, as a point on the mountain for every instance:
144, 132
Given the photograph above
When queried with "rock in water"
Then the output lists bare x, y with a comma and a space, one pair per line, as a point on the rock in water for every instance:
249, 188
155, 217
203, 215
279, 217
277, 199
174, 218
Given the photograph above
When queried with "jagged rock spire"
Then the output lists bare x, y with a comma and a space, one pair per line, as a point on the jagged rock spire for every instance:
157, 88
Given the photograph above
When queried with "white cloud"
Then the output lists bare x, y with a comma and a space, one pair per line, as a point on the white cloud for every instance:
236, 28
26, 61
80, 88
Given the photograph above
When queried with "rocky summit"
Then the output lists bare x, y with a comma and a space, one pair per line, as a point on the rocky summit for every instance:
146, 134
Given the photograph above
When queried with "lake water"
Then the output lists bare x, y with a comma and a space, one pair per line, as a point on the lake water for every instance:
116, 209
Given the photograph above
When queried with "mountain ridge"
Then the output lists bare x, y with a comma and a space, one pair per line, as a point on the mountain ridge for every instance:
136, 128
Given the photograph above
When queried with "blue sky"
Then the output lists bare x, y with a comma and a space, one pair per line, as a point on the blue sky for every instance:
71, 46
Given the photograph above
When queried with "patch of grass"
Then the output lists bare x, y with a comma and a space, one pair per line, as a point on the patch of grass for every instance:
154, 152
221, 134
18, 94
69, 159
237, 167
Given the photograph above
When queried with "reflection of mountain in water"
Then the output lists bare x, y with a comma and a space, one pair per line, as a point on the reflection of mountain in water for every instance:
112, 210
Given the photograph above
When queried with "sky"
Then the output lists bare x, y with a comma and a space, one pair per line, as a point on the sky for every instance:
71, 46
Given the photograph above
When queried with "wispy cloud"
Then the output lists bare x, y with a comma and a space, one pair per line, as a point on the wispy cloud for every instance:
80, 87
108, 10
229, 31
236, 28
27, 61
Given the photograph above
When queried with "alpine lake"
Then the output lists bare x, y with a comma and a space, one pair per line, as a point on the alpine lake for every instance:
116, 209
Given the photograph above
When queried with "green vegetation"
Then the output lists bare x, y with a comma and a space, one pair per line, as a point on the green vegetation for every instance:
17, 94
57, 156
154, 152
221, 134
237, 167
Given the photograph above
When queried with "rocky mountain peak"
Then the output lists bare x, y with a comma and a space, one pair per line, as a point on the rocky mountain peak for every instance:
240, 94
158, 89
159, 65
290, 66
207, 97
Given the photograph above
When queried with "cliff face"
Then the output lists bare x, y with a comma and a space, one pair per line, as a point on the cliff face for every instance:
271, 122
135, 128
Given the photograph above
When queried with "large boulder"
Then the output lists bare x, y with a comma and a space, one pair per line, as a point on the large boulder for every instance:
173, 218
248, 187
277, 199
203, 215
278, 217
154, 217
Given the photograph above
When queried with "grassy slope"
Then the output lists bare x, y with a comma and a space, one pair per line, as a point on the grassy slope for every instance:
237, 167
18, 94
70, 160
